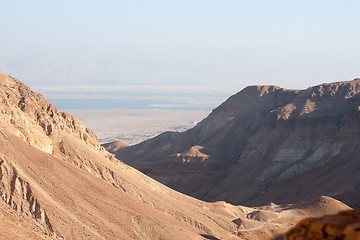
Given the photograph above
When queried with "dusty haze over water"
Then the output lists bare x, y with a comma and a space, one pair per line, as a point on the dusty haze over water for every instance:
134, 116
134, 126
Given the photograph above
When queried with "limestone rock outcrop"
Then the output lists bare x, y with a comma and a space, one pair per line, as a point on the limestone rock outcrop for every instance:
34, 119
344, 225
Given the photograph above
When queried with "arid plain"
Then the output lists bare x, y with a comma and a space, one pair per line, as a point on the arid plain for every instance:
135, 126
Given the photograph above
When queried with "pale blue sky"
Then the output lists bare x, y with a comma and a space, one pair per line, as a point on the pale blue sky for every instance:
211, 44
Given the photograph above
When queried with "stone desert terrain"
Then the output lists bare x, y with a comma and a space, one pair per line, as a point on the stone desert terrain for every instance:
57, 182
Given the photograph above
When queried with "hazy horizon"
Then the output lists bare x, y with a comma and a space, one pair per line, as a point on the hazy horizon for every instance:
214, 46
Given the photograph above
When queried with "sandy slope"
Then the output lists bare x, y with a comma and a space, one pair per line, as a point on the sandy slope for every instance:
87, 196
15, 226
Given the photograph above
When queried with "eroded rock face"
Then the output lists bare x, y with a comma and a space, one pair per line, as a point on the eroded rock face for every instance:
266, 144
18, 194
34, 119
344, 225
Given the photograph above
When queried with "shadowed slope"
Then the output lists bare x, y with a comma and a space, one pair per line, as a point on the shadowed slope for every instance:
265, 144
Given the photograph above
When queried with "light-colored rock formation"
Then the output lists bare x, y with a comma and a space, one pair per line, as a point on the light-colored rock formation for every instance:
34, 119
265, 144
344, 225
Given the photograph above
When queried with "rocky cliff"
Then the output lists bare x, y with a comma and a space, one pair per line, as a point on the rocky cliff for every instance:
34, 119
264, 144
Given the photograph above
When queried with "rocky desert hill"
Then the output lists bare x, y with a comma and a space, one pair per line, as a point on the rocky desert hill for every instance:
344, 225
57, 182
264, 144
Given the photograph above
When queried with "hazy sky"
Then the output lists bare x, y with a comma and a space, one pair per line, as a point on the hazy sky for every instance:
210, 44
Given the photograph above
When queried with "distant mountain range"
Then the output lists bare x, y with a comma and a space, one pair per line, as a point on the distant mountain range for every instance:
264, 144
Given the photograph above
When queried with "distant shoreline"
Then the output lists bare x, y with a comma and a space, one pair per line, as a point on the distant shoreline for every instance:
136, 125
135, 100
